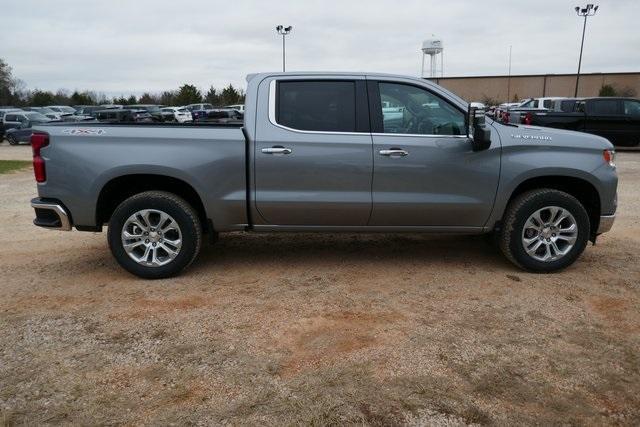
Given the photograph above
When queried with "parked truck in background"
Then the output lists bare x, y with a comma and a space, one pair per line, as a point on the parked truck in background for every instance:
318, 152
616, 119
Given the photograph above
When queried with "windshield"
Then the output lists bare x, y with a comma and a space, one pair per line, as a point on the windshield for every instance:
36, 117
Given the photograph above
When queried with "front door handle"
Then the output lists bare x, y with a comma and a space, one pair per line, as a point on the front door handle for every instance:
276, 150
394, 152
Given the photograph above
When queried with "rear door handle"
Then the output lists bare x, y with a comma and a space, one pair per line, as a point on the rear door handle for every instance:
276, 150
394, 152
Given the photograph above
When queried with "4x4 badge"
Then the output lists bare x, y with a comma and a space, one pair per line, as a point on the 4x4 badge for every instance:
85, 131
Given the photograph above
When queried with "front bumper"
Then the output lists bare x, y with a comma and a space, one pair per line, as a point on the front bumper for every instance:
51, 214
606, 222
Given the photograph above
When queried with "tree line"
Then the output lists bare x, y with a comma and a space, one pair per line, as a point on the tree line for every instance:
14, 93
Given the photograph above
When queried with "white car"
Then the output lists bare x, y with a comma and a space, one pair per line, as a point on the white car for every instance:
181, 114
237, 107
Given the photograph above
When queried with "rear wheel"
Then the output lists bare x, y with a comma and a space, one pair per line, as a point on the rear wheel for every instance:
544, 230
12, 140
154, 234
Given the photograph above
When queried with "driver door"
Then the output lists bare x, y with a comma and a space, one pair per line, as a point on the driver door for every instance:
425, 172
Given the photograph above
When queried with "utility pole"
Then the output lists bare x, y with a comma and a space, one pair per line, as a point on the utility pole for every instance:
588, 10
283, 31
509, 78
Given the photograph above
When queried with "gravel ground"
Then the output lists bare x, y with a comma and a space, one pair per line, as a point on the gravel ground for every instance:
317, 329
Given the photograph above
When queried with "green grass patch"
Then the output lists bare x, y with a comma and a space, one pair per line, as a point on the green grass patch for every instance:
13, 165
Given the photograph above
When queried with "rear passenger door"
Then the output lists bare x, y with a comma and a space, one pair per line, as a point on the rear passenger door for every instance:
605, 118
313, 152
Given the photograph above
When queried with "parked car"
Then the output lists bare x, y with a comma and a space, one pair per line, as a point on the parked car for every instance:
62, 109
533, 105
199, 110
89, 110
19, 135
237, 107
180, 114
53, 115
222, 115
319, 155
23, 119
3, 111
119, 115
18, 125
154, 110
616, 119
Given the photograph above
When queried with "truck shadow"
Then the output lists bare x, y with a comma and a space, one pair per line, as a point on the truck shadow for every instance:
309, 249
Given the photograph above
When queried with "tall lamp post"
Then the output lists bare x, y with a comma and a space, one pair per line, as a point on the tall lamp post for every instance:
588, 10
283, 31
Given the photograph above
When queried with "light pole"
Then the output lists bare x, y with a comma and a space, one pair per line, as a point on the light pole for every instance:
283, 31
588, 10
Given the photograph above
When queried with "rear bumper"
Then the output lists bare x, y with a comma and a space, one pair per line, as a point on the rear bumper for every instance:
606, 222
51, 214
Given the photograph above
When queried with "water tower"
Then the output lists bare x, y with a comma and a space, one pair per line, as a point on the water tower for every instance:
433, 47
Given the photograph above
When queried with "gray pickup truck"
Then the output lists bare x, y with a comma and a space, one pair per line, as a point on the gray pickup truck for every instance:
327, 152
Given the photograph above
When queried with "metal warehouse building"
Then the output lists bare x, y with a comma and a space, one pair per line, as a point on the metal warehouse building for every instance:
478, 88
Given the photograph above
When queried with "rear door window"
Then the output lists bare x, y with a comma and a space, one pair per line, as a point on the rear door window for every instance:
631, 108
11, 118
328, 106
602, 106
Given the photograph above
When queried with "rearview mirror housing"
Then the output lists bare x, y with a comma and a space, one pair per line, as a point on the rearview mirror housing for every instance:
479, 133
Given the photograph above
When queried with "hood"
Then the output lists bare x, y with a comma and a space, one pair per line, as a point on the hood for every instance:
514, 135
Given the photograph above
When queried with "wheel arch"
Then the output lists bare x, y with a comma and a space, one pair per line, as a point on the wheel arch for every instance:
118, 189
583, 190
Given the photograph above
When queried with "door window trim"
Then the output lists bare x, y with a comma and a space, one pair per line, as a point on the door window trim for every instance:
375, 110
359, 103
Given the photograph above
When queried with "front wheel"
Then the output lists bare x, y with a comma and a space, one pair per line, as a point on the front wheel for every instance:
154, 234
544, 230
12, 140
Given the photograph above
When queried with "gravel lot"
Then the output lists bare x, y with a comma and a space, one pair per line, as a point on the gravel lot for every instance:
317, 329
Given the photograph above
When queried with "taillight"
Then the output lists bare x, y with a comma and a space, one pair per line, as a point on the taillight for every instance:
528, 119
609, 157
38, 141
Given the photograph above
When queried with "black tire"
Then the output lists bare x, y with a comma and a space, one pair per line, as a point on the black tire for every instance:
12, 140
184, 215
516, 216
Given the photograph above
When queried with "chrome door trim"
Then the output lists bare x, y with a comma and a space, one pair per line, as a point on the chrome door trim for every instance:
272, 116
420, 135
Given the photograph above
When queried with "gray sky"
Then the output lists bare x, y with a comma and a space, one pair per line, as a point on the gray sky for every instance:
126, 46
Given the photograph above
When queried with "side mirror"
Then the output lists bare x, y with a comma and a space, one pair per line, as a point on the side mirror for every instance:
479, 132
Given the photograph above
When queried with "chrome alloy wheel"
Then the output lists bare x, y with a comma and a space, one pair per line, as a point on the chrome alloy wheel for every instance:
549, 233
151, 238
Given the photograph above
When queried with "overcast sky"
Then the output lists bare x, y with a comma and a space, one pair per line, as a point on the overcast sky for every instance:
126, 46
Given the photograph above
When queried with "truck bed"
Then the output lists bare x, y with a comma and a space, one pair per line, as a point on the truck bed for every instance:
83, 158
